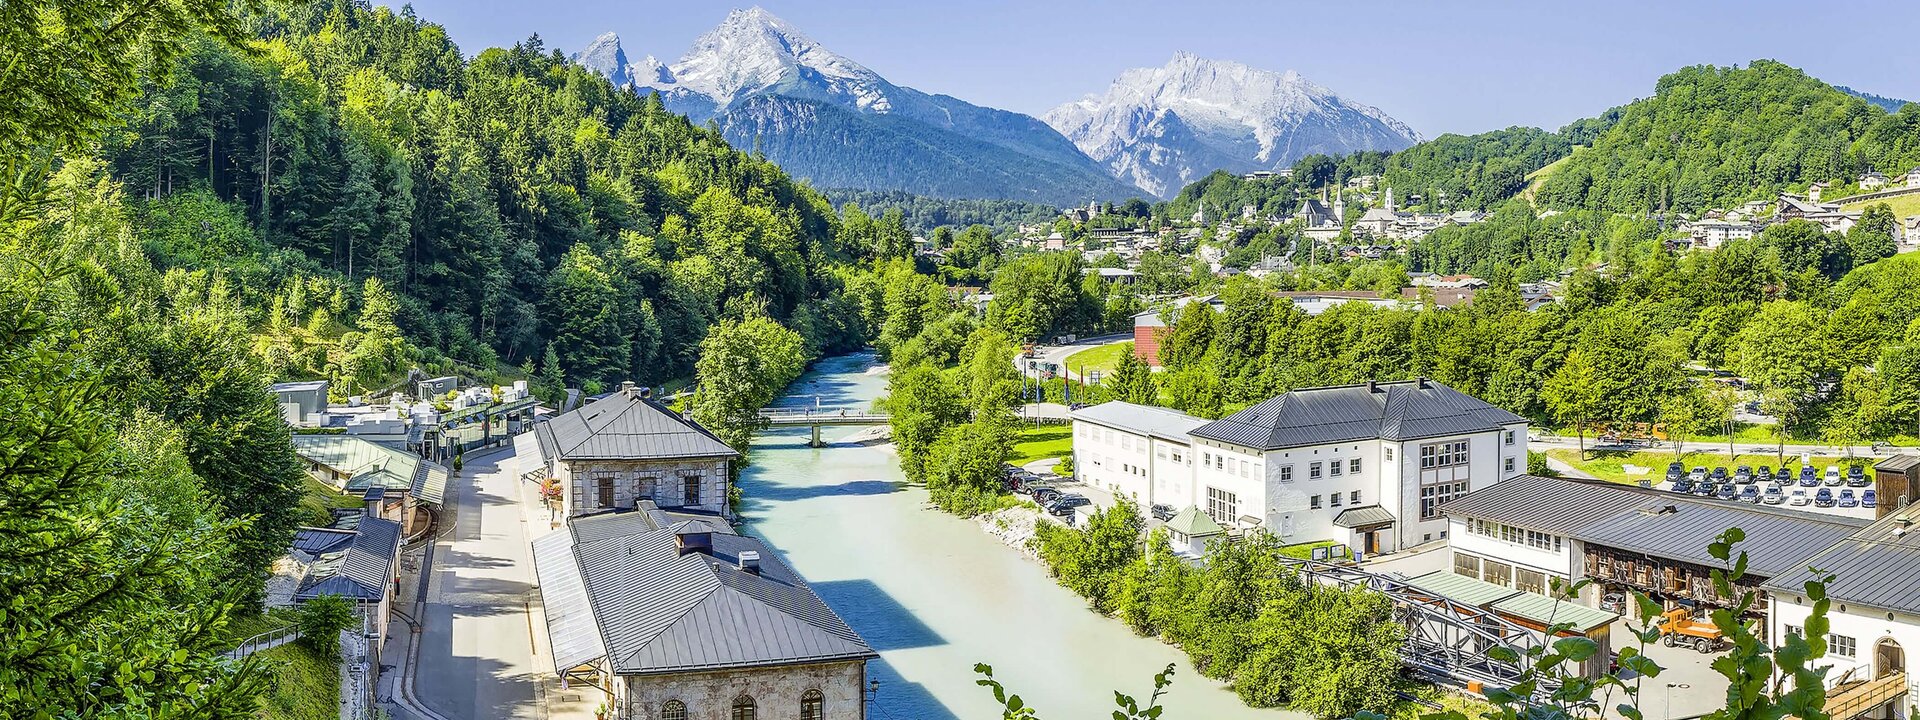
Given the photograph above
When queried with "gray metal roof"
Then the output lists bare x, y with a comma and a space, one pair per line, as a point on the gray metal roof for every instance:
1366, 516
1404, 410
370, 464
1654, 522
1877, 566
359, 568
655, 610
1898, 463
625, 426
1159, 422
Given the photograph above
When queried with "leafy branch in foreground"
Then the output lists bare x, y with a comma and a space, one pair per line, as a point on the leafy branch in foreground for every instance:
1014, 708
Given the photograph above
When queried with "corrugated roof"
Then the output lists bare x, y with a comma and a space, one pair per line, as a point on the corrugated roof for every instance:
1898, 463
1404, 410
1478, 593
572, 632
1877, 566
625, 426
657, 610
1164, 423
1193, 523
359, 568
1365, 516
1538, 608
1655, 522
369, 464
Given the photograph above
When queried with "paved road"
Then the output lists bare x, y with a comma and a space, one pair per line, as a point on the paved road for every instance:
476, 654
1859, 451
1058, 353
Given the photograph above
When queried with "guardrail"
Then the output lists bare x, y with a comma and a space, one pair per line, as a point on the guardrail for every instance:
265, 641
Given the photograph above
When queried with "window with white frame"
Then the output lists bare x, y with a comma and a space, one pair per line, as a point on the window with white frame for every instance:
1313, 471
1354, 497
1434, 495
1313, 502
1222, 506
1840, 645
1177, 456
1443, 454
1509, 437
1389, 453
1333, 468
1334, 500
1286, 473
1353, 466
1509, 465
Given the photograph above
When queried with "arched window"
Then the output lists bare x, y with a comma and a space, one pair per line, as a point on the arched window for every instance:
743, 708
813, 705
673, 710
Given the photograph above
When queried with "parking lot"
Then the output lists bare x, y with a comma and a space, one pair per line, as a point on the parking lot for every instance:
1831, 489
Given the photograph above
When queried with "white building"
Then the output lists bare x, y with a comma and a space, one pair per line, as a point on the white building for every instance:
1365, 465
1138, 451
1875, 611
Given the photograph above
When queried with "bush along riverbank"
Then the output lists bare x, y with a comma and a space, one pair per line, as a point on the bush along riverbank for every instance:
1242, 616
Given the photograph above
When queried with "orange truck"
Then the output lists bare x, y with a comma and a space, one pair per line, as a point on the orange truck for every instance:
1677, 627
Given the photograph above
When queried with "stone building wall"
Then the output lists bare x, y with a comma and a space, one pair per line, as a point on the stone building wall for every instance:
776, 692
658, 480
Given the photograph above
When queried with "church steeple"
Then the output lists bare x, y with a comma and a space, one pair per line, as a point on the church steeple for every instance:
1339, 206
1390, 207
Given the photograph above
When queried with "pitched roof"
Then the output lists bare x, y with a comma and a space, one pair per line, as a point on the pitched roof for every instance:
1655, 522
1514, 603
1405, 410
618, 590
1877, 566
1158, 422
626, 426
355, 558
1193, 523
1365, 516
369, 464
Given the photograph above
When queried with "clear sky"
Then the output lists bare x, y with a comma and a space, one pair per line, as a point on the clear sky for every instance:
1438, 66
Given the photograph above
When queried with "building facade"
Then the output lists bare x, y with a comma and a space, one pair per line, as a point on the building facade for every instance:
1136, 451
614, 452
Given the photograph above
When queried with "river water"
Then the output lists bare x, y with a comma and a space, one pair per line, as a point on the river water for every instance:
933, 593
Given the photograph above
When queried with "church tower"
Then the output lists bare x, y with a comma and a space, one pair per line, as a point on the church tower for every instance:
1390, 207
1339, 206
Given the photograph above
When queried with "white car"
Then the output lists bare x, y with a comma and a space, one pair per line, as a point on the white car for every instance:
1833, 475
1799, 497
1773, 495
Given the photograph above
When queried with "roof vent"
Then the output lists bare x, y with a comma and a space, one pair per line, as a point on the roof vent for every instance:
1660, 510
695, 542
750, 561
1421, 382
629, 389
1371, 388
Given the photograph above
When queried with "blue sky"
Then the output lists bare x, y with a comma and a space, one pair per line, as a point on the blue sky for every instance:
1438, 66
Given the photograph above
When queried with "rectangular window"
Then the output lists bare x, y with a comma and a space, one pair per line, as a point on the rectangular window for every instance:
1333, 468
1437, 494
1445, 454
1126, 442
1160, 451
1313, 471
1466, 565
1206, 458
1353, 466
1334, 499
1389, 454
1354, 497
1245, 467
690, 490
1840, 645
1509, 437
1498, 573
1219, 462
1177, 456
606, 491
1792, 629
1509, 466
1313, 503
1286, 473
1532, 581
1222, 506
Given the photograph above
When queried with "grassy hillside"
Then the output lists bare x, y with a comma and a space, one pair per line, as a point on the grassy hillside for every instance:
1903, 206
304, 686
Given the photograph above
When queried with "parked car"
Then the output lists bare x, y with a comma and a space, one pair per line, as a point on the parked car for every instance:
1706, 489
1764, 474
1675, 471
1682, 485
1064, 505
1869, 498
1162, 512
1699, 474
1823, 498
1743, 474
1809, 478
1846, 499
1719, 474
1615, 603
1857, 477
1784, 476
1798, 497
1042, 494
1725, 492
1833, 475
1749, 493
1773, 495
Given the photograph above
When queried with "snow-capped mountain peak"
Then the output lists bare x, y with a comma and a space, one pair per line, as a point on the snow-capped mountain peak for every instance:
1162, 127
605, 55
753, 51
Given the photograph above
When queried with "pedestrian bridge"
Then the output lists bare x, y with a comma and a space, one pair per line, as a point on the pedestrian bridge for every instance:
817, 418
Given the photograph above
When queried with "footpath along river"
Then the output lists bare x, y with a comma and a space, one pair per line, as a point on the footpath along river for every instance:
935, 594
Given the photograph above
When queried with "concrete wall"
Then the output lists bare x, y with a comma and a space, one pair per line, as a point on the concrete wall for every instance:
776, 692
1334, 492
630, 483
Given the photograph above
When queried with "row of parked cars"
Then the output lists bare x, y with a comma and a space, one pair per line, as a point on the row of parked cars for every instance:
1771, 487
1057, 503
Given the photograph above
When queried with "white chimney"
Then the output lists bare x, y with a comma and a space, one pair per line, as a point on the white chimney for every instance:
750, 561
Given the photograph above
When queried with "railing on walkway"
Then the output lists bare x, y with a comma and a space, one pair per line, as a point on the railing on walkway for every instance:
265, 641
1853, 700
